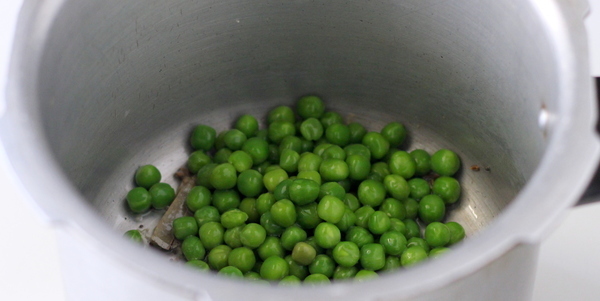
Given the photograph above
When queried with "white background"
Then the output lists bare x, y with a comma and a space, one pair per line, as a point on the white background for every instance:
569, 267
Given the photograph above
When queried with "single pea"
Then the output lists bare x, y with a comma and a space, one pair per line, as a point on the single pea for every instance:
377, 144
184, 226
224, 176
207, 214
281, 113
296, 269
264, 202
271, 168
418, 188
362, 215
393, 242
371, 193
457, 232
380, 168
233, 218
437, 252
395, 133
211, 234
331, 209
270, 247
225, 200
346, 253
379, 222
250, 183
262, 134
311, 129
290, 280
338, 134
192, 248
310, 106
447, 188
398, 226
422, 161
358, 167
257, 148
282, 191
316, 279
393, 208
234, 139
288, 160
291, 236
198, 197
272, 228
431, 209
348, 220
230, 271
248, 205
308, 216
392, 263
330, 118
203, 175
412, 228
274, 268
310, 175
303, 253
134, 235
198, 265
147, 175
357, 132
320, 148
364, 275
327, 235
351, 201
360, 236
341, 272
309, 161
412, 208
412, 255
218, 257
220, 140
401, 163
372, 256
306, 146
272, 178
232, 238
222, 156
247, 124
358, 149
203, 137
291, 142
139, 200
417, 241
375, 177
241, 160
346, 184
396, 186
281, 129
332, 189
334, 152
253, 235
322, 264
333, 170
445, 162
253, 276
437, 235
302, 191
284, 213
197, 160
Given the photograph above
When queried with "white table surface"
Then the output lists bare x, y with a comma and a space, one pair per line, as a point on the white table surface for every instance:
569, 266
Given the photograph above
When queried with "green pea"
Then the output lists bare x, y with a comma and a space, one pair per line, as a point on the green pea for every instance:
302, 191
412, 228
306, 146
284, 213
197, 160
437, 235
377, 144
230, 271
257, 148
457, 232
281, 113
316, 279
309, 161
417, 241
447, 188
358, 149
192, 248
364, 275
380, 168
437, 252
398, 226
402, 163
393, 208
272, 178
310, 175
281, 129
372, 256
357, 132
412, 255
392, 263
274, 268
422, 162
311, 129
147, 175
341, 272
331, 209
395, 133
282, 191
291, 142
225, 200
296, 269
303, 253
291, 236
393, 242
207, 214
224, 176
264, 202
445, 162
290, 280
310, 106
320, 148
289, 160
327, 235
253, 276
375, 177
139, 200
379, 222
412, 208
203, 137
250, 183
334, 152
198, 265
211, 234
198, 197
253, 235
358, 167
362, 215
232, 238
134, 235
338, 134
334, 170
218, 257
396, 186
270, 247
262, 134
241, 160
346, 253
332, 189
329, 118
308, 217
432, 209
360, 236
234, 139
203, 176
184, 226
220, 140
418, 188
233, 218
322, 264
247, 124
351, 201
348, 220
371, 193
222, 156
266, 220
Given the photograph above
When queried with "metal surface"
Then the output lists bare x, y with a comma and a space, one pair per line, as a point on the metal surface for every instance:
99, 88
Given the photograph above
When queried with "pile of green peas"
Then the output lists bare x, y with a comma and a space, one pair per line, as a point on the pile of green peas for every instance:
311, 199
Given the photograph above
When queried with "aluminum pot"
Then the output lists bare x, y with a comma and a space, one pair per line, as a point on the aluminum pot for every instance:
97, 88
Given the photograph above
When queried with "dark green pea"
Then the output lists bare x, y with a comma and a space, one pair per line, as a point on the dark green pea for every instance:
296, 269
257, 148
218, 257
306, 146
372, 256
197, 160
362, 215
316, 279
327, 235
447, 188
303, 253
224, 176
358, 149
348, 220
291, 142
264, 203
288, 160
346, 253
331, 209
333, 170
281, 113
302, 191
322, 264
332, 189
457, 232
393, 242
225, 200
308, 216
375, 177
392, 263
309, 161
274, 268
272, 178
262, 134
358, 167
338, 134
412, 228
284, 213
203, 137
334, 152
417, 241
346, 184
320, 149
445, 162
357, 132
437, 252
198, 197
253, 235
377, 144
412, 208
241, 160
250, 183
247, 124
360, 236
364, 275
413, 255
207, 214
291, 236
310, 106
266, 220
380, 168
329, 118
371, 193
311, 129
282, 191
147, 175
418, 188
222, 155
402, 163
230, 271
198, 265
139, 200
437, 235
134, 235
341, 272
379, 222
351, 201
395, 133
396, 186
271, 168
281, 129
422, 162
233, 218
393, 208
232, 238
220, 140
310, 175
270, 247
211, 234
192, 248
234, 139
398, 226
184, 226
203, 176
432, 209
